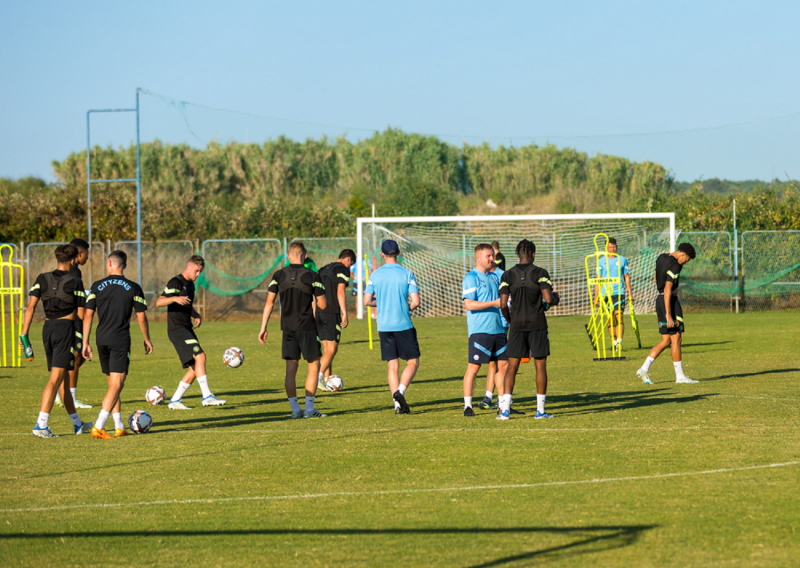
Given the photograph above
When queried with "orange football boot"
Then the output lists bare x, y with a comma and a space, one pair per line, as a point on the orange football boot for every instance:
101, 433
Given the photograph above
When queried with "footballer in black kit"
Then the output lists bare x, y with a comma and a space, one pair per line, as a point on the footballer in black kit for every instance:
80, 260
61, 294
298, 288
669, 312
182, 320
114, 298
531, 292
333, 318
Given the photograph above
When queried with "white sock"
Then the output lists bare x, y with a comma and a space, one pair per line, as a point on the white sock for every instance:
396, 404
309, 404
75, 419
41, 422
321, 377
102, 418
295, 405
678, 369
506, 402
647, 363
540, 403
118, 421
467, 401
402, 389
73, 391
489, 395
180, 391
203, 382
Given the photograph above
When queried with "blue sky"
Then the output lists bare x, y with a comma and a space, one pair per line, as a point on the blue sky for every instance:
573, 74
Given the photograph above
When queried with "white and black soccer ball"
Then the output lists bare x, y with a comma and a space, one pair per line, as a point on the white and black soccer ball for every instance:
155, 395
140, 422
233, 357
334, 383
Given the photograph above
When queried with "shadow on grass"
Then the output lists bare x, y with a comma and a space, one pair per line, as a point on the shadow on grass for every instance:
743, 375
584, 540
685, 345
613, 401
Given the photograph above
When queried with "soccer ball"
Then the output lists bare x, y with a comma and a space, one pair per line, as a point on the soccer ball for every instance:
140, 422
335, 383
155, 395
233, 357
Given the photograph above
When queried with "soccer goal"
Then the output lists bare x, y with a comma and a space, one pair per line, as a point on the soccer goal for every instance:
439, 250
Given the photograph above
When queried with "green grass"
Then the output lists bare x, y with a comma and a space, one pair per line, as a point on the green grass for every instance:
247, 471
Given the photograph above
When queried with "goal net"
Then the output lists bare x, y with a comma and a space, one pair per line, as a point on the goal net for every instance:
440, 251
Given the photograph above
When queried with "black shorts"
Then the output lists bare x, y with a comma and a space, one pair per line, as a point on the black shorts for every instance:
78, 335
523, 344
486, 347
59, 343
661, 313
114, 358
297, 343
186, 344
399, 344
329, 326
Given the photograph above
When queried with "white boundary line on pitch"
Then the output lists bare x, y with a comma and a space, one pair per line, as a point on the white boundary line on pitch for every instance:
397, 491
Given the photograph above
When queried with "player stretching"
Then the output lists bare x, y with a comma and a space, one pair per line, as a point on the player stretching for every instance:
332, 319
297, 287
114, 298
178, 296
80, 260
532, 295
61, 295
388, 289
487, 338
607, 268
491, 369
669, 312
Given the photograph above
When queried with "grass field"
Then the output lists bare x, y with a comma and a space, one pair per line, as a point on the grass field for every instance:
625, 475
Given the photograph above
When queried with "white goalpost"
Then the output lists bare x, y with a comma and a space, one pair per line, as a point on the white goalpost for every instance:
439, 250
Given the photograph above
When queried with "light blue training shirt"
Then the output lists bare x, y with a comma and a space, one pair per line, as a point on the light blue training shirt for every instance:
482, 287
498, 275
603, 271
391, 284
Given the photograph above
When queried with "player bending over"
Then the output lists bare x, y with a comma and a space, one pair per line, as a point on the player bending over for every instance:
114, 298
487, 338
388, 289
178, 296
491, 369
332, 319
61, 294
607, 268
298, 287
669, 312
80, 260
532, 295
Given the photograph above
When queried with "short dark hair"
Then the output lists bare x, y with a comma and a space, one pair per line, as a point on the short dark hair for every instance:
198, 260
687, 249
483, 246
526, 247
80, 244
496, 245
65, 253
612, 241
119, 258
347, 253
296, 246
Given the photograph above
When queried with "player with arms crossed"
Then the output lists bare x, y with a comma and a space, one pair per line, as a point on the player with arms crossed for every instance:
178, 297
532, 295
487, 337
61, 294
332, 319
298, 287
114, 298
388, 289
669, 312
607, 268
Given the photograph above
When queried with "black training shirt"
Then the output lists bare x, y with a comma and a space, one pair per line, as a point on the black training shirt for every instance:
668, 269
524, 283
75, 271
296, 312
178, 316
113, 298
56, 308
500, 260
332, 275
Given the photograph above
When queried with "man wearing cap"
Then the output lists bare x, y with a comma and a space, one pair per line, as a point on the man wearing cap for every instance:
388, 289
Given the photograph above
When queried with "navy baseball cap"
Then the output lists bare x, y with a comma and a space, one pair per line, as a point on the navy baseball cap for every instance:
390, 247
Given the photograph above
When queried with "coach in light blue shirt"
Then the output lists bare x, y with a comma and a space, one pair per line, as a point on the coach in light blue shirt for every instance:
389, 289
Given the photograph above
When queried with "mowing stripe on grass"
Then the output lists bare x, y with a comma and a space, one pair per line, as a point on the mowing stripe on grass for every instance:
396, 491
